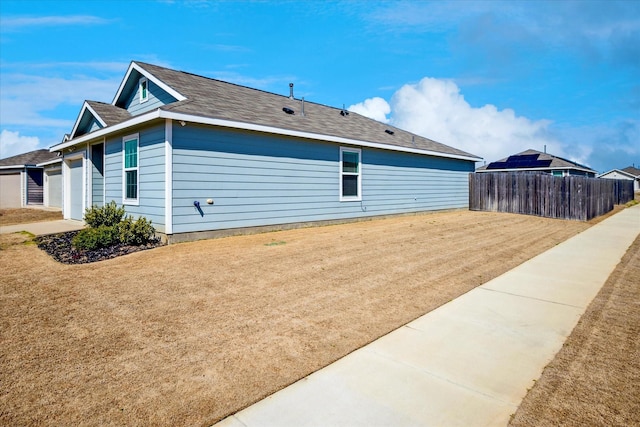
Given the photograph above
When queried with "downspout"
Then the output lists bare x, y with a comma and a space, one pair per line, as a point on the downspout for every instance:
168, 177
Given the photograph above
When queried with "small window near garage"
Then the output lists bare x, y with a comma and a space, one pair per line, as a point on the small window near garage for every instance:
350, 174
143, 89
130, 169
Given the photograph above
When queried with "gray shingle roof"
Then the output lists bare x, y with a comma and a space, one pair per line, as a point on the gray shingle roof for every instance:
632, 170
31, 158
212, 98
549, 161
109, 113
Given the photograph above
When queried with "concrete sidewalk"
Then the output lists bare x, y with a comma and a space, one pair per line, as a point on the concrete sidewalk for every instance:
45, 227
469, 362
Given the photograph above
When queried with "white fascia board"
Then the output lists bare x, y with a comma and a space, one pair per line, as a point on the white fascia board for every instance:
12, 167
150, 77
100, 133
162, 114
85, 107
621, 172
308, 135
50, 162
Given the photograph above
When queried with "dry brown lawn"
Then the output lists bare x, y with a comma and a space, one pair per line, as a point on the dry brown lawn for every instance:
187, 334
24, 215
595, 378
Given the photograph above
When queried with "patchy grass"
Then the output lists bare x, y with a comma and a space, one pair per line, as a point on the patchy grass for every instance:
25, 216
188, 334
595, 378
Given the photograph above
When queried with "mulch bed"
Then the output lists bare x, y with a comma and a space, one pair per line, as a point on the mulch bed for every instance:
60, 248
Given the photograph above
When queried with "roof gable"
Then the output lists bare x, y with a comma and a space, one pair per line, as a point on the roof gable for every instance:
96, 115
129, 87
616, 172
88, 120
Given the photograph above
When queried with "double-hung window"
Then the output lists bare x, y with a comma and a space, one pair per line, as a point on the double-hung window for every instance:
143, 89
130, 169
350, 174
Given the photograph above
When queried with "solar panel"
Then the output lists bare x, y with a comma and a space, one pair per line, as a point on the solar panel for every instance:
522, 161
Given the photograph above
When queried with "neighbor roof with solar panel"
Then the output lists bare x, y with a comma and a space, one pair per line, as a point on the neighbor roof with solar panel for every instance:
533, 160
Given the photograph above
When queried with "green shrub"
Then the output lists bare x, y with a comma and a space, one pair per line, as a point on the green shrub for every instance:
95, 238
132, 232
109, 215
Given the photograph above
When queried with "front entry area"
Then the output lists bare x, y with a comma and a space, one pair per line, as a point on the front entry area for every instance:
75, 193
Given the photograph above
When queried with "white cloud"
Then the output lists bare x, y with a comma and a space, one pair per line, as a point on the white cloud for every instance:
11, 143
437, 110
29, 100
39, 21
375, 108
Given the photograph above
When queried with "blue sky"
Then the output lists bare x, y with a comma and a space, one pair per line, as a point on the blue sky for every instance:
492, 78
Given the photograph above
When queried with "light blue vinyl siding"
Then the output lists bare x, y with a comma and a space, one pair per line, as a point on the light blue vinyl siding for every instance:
156, 98
257, 179
151, 166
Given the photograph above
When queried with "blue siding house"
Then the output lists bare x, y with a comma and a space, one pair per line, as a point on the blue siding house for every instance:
202, 157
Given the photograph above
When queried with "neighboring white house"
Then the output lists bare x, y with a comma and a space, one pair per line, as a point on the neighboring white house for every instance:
31, 179
630, 173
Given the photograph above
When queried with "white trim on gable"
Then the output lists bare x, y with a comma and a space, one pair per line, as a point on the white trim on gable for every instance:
86, 107
620, 171
150, 77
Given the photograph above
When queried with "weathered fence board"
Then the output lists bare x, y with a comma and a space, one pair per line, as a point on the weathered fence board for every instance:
570, 197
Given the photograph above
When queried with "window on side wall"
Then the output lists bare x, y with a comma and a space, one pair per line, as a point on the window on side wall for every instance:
143, 89
350, 174
130, 148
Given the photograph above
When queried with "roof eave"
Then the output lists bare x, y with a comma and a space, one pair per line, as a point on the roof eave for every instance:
308, 135
107, 130
164, 114
50, 162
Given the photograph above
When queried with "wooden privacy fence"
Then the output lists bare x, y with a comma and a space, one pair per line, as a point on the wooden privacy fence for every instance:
570, 197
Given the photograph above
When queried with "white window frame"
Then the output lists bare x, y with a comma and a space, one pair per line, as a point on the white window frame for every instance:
125, 200
144, 95
358, 151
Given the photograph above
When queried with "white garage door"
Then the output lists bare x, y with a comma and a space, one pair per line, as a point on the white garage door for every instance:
75, 196
54, 191
10, 191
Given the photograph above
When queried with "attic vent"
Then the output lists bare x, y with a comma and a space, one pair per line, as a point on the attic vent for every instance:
389, 131
288, 110
344, 111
